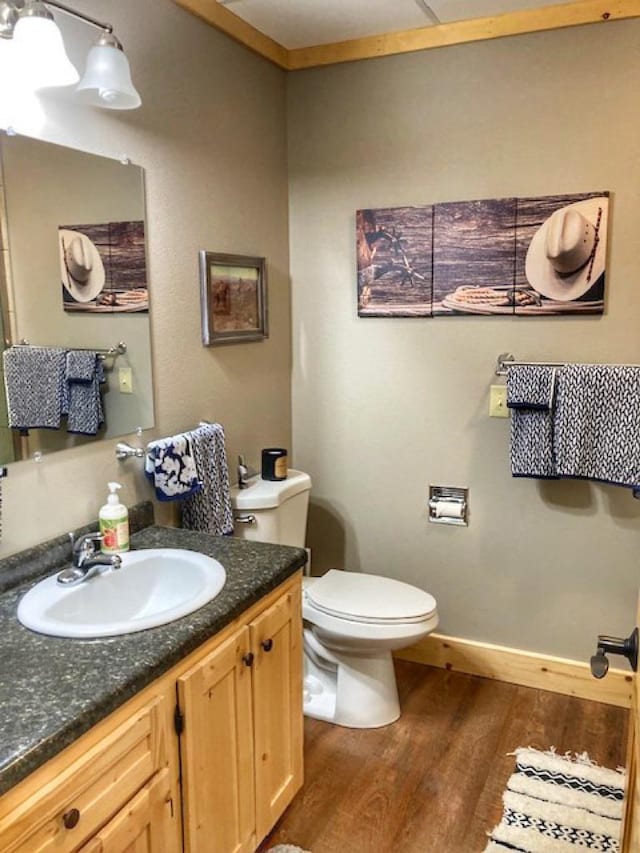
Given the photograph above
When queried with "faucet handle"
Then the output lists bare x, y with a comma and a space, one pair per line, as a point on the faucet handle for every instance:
86, 544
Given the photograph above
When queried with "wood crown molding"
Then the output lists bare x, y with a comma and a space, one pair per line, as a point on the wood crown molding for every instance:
221, 18
408, 41
528, 669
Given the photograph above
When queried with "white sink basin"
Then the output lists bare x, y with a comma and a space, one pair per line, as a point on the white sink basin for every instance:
152, 587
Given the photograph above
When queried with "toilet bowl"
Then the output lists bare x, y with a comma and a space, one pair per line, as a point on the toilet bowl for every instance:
352, 621
352, 624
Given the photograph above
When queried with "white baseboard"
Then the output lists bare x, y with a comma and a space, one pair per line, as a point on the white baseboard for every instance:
559, 675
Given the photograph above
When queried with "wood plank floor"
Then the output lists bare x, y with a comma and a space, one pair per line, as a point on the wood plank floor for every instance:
433, 781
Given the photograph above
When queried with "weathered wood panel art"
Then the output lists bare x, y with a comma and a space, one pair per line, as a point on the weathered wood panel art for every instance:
103, 267
395, 262
532, 256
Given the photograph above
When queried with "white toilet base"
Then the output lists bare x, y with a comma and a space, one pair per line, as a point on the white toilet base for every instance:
356, 691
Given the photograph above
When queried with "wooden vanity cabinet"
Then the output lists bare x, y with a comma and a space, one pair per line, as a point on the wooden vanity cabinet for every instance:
241, 747
63, 807
145, 825
231, 750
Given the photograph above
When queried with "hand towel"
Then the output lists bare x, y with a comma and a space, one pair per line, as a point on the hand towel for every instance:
531, 396
84, 372
170, 465
210, 510
597, 423
34, 378
531, 386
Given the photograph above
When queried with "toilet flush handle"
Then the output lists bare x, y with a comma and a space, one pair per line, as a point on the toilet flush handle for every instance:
244, 519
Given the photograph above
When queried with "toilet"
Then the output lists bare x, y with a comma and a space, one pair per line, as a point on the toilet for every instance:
352, 621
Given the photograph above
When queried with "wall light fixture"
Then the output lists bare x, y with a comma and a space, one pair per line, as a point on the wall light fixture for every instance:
39, 57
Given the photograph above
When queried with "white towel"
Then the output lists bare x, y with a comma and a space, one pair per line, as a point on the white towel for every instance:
210, 510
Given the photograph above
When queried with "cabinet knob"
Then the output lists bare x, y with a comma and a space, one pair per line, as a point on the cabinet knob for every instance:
267, 645
248, 659
70, 819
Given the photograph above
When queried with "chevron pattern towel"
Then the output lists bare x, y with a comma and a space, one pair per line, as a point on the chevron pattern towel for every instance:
210, 510
530, 394
34, 378
597, 423
531, 386
82, 400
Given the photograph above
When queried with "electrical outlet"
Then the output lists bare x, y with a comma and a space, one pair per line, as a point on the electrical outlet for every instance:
498, 402
125, 380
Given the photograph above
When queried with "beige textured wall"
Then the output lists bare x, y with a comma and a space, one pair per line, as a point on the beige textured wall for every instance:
211, 138
382, 408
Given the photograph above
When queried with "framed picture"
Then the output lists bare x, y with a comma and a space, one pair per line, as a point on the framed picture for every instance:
233, 297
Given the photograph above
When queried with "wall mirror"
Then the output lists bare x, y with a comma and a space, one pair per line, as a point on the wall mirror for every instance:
73, 274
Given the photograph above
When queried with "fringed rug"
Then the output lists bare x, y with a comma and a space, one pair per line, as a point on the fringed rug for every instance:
286, 848
553, 802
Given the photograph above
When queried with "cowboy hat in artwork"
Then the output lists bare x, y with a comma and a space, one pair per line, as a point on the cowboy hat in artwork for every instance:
567, 254
81, 267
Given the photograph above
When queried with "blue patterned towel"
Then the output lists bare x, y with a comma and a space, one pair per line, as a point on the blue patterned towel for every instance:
531, 386
170, 464
82, 402
210, 510
531, 396
532, 444
597, 423
34, 378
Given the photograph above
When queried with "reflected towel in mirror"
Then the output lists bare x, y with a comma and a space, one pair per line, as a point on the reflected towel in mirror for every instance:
34, 378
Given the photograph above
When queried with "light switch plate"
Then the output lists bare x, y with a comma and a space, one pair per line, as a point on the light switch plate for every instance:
498, 402
125, 380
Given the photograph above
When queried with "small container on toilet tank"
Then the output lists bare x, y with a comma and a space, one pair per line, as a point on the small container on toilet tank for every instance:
274, 463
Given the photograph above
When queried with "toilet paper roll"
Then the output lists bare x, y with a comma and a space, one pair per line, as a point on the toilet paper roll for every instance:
449, 509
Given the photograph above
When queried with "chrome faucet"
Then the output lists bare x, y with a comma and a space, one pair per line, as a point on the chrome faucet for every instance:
87, 560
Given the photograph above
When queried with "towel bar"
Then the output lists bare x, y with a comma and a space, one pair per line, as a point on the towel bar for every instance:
111, 352
507, 359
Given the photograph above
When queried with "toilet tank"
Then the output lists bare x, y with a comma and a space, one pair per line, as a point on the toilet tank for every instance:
278, 508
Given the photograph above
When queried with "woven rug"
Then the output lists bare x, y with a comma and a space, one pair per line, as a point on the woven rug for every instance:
554, 802
286, 848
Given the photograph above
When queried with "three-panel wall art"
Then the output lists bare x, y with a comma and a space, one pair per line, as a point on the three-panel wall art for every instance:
510, 256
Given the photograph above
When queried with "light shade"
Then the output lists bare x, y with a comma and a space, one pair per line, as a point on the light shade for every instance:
19, 107
107, 77
40, 53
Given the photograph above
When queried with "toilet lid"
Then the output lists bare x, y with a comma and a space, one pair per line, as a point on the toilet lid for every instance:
369, 598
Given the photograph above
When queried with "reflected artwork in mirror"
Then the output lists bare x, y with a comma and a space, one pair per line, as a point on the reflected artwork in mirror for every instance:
73, 276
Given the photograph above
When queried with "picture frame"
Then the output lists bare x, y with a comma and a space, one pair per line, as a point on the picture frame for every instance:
233, 298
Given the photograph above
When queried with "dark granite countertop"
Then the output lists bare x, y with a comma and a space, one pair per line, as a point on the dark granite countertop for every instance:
53, 690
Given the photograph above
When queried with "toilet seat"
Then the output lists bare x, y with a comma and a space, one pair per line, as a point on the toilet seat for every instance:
370, 599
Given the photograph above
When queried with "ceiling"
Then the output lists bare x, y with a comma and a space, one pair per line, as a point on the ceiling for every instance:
302, 23
299, 34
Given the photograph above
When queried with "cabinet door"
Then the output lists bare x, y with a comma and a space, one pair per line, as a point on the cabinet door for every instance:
216, 750
276, 639
146, 824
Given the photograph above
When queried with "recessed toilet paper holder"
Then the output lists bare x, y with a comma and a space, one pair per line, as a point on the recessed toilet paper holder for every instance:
449, 505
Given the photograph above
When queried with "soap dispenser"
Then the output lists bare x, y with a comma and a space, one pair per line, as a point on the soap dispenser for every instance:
114, 523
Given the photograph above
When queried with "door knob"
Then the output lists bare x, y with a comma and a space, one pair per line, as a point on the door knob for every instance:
267, 645
614, 646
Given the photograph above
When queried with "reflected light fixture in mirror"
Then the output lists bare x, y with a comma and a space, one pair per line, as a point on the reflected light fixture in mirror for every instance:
40, 58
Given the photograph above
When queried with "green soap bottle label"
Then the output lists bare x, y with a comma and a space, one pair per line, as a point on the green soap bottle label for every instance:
115, 534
